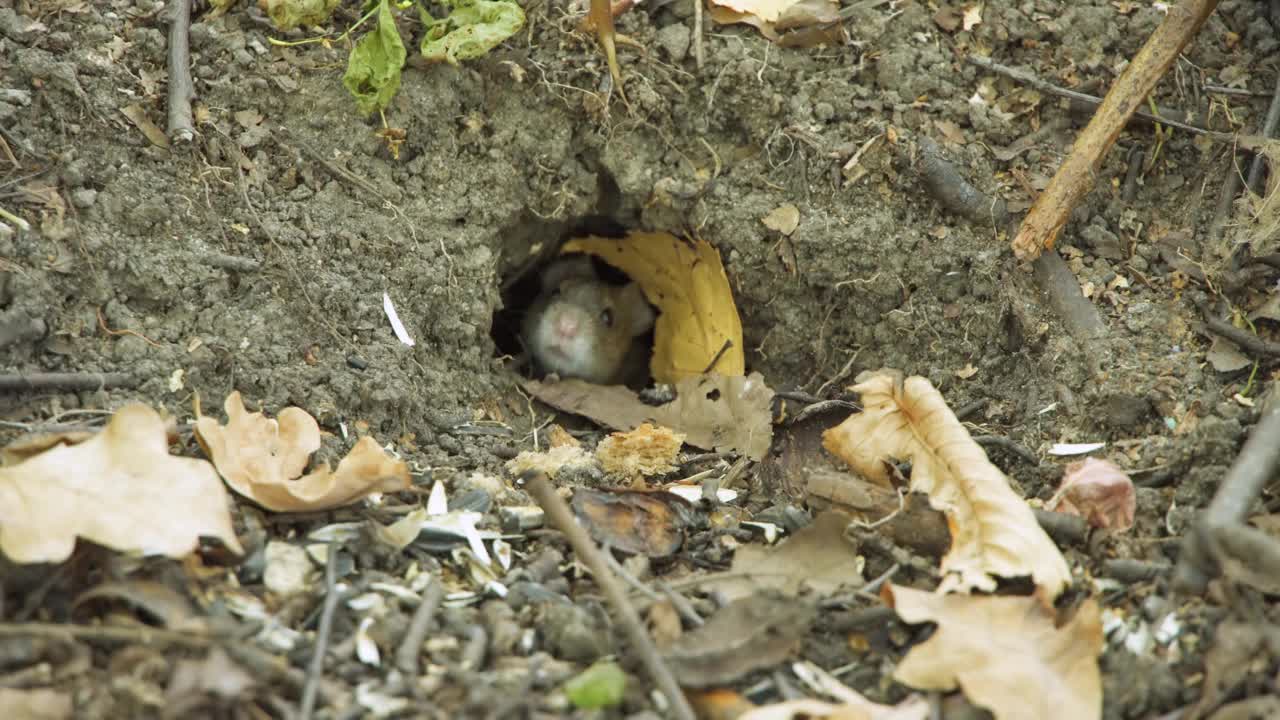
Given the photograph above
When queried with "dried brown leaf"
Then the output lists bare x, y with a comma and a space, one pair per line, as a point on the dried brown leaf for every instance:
817, 558
749, 633
121, 488
994, 533
712, 411
262, 459
1098, 491
1006, 653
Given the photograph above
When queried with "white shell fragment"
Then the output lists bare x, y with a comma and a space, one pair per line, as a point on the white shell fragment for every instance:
1065, 449
396, 326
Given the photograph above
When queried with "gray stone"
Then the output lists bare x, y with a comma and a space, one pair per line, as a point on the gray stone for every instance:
84, 198
674, 39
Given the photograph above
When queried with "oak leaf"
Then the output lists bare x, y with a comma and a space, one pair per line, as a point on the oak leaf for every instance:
994, 532
698, 330
1007, 654
262, 459
120, 488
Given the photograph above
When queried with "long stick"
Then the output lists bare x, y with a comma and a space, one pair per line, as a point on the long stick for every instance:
1077, 174
561, 518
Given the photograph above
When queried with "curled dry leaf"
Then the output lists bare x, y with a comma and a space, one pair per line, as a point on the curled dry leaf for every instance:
698, 330
262, 459
1098, 491
1008, 654
121, 488
749, 633
638, 522
994, 533
645, 451
818, 558
31, 445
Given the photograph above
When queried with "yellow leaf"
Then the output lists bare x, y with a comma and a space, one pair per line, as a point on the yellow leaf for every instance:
699, 323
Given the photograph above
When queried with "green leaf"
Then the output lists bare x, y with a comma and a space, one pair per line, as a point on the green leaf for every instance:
600, 685
472, 28
373, 70
288, 14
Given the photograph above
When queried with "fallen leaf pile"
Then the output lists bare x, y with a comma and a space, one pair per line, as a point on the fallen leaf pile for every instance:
120, 488
263, 459
994, 533
1008, 654
698, 330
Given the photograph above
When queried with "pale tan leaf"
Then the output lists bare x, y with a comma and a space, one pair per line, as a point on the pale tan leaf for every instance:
784, 219
121, 488
262, 459
913, 708
994, 533
36, 704
767, 10
1006, 653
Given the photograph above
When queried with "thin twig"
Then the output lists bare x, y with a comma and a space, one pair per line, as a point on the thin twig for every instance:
67, 382
1268, 131
1245, 339
561, 518
316, 668
1007, 444
1028, 78
407, 655
1078, 173
698, 57
1252, 470
181, 127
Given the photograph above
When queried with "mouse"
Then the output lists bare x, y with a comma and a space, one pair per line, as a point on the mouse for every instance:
580, 326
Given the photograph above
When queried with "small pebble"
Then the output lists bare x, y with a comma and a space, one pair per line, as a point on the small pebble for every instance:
675, 40
84, 198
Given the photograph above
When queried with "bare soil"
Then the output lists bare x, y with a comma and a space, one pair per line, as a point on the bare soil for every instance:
125, 270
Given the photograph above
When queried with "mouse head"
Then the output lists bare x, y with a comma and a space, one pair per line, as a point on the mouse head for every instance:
582, 326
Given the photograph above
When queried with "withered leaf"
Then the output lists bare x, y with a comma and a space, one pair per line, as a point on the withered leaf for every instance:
262, 459
712, 411
638, 522
1007, 654
121, 488
994, 532
749, 633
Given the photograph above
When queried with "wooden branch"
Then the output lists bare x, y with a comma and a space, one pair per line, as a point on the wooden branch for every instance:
181, 126
1076, 176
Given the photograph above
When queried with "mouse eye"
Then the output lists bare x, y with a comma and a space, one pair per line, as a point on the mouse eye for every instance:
606, 317
555, 292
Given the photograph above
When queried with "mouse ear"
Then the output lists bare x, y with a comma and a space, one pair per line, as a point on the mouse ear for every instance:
565, 267
642, 316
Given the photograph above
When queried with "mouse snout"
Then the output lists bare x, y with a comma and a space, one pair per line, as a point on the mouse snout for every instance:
567, 325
